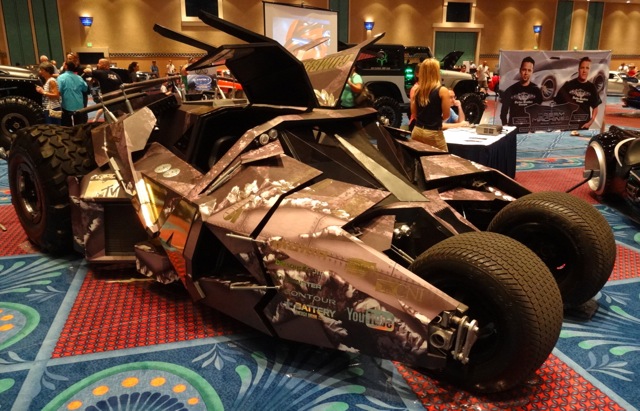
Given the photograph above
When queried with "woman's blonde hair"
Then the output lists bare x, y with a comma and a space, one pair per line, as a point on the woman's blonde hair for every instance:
428, 79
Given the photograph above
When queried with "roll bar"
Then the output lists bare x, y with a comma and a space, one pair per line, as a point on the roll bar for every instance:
127, 92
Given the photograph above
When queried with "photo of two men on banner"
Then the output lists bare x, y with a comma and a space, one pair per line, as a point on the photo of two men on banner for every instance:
553, 90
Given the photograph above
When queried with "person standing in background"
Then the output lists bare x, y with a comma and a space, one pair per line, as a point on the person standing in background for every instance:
107, 81
133, 69
171, 68
50, 93
623, 68
45, 59
431, 106
483, 77
78, 69
472, 67
351, 90
155, 71
72, 90
412, 94
632, 70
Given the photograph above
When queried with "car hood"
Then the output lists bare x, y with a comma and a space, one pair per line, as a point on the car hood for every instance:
10, 71
450, 60
269, 73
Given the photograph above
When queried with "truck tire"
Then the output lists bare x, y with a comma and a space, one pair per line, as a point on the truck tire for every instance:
473, 107
511, 294
570, 236
389, 108
16, 113
40, 160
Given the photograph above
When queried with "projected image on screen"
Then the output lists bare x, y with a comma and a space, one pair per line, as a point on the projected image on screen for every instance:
307, 33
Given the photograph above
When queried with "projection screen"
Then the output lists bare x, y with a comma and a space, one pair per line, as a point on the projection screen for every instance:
299, 28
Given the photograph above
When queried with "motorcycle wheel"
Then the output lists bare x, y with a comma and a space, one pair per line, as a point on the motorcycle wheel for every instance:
511, 294
570, 236
40, 160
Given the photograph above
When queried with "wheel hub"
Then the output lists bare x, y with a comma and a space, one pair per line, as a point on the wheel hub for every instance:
14, 122
549, 245
28, 198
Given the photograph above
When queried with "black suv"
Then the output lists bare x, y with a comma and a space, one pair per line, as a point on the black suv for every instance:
20, 104
388, 72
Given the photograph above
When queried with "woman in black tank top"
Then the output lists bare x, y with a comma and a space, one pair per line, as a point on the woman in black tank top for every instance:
430, 105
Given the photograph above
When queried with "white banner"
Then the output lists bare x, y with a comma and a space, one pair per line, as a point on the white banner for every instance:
553, 90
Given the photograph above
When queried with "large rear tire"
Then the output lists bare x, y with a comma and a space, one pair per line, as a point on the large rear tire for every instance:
511, 294
17, 113
390, 109
572, 238
473, 107
40, 160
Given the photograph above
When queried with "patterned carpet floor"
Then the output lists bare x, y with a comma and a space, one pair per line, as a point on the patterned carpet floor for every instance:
72, 337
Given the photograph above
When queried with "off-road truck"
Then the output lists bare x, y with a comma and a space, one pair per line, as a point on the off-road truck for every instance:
388, 72
20, 103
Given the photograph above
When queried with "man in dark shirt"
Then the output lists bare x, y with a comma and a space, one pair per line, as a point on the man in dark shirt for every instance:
107, 80
583, 93
520, 95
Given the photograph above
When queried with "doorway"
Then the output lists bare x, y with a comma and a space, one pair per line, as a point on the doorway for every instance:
448, 41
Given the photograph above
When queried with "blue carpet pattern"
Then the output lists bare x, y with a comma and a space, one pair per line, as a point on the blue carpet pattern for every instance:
605, 349
551, 150
252, 372
241, 372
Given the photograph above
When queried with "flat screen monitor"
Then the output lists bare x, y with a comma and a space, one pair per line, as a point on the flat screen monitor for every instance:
458, 12
90, 57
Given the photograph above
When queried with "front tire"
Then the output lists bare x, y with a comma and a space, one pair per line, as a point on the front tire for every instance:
17, 113
572, 238
511, 294
40, 160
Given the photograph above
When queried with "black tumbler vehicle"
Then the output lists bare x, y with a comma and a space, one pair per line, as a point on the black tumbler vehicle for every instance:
316, 224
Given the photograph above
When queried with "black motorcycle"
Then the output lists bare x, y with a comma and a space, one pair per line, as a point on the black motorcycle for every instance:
612, 165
